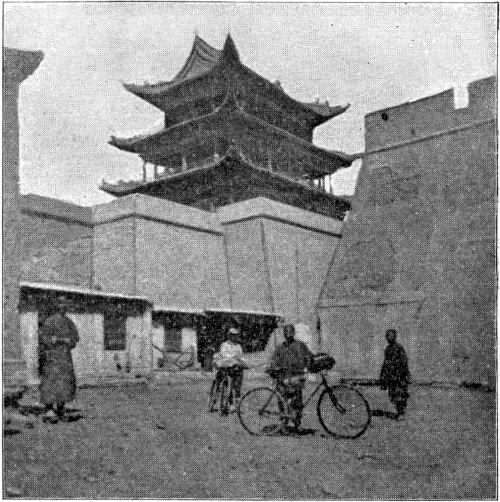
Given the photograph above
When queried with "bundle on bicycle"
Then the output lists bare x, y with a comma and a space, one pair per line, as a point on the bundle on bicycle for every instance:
343, 412
229, 364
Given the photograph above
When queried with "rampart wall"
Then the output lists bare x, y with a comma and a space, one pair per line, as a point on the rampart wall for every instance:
56, 241
255, 255
418, 252
278, 256
179, 255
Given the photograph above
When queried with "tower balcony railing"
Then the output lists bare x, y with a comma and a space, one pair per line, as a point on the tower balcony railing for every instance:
322, 184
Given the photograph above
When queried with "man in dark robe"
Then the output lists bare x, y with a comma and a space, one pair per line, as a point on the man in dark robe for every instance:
287, 365
395, 374
58, 335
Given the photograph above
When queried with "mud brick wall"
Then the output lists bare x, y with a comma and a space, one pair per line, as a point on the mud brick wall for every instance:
17, 66
56, 241
418, 252
278, 257
90, 358
181, 266
171, 253
179, 255
114, 247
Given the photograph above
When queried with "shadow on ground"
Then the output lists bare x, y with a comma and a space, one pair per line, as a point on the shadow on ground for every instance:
160, 442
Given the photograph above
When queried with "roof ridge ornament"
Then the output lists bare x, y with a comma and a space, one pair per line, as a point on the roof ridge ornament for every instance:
229, 51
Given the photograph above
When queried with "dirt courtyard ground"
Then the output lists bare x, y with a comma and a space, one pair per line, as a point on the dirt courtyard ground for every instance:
160, 442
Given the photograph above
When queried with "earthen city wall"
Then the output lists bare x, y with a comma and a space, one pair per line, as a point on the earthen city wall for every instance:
417, 252
418, 249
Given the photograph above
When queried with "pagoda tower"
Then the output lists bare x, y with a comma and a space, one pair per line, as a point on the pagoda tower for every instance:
230, 135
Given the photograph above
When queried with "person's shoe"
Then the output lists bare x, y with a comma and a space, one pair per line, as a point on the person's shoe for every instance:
51, 417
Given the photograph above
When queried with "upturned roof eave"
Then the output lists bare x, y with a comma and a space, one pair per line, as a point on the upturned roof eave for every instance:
117, 190
199, 46
317, 117
130, 144
152, 93
148, 91
133, 144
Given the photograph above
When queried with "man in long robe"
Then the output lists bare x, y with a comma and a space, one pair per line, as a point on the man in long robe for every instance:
395, 374
287, 365
58, 335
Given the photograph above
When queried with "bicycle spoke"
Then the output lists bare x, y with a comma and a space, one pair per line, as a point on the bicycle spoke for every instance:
343, 412
262, 411
213, 397
224, 396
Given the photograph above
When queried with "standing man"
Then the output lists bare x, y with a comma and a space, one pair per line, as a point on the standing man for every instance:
288, 365
395, 374
58, 335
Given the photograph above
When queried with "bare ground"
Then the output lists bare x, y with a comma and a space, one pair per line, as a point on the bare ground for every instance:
160, 442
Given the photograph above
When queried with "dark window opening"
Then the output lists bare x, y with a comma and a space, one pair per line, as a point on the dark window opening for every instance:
173, 339
115, 331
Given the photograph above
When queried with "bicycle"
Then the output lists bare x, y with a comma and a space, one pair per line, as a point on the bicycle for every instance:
342, 410
222, 394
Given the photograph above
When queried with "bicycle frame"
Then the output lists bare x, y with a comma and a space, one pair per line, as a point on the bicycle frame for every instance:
322, 384
342, 410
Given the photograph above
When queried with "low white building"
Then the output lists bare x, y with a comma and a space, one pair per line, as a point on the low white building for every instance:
114, 330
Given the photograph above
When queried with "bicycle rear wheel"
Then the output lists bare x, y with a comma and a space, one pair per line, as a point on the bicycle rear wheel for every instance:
343, 412
263, 411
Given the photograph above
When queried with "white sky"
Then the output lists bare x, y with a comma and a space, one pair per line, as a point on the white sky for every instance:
369, 55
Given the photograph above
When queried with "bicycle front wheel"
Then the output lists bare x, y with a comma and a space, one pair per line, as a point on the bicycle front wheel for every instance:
225, 389
213, 396
343, 412
263, 411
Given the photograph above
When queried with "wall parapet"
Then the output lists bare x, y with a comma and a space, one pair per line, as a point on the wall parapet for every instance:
418, 119
55, 208
261, 207
162, 211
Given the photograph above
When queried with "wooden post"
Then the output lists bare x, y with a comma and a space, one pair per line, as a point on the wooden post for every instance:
144, 173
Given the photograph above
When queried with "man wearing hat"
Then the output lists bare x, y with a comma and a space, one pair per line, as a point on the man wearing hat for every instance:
395, 374
288, 365
58, 335
229, 360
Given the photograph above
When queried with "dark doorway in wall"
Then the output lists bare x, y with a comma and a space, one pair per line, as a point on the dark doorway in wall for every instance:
255, 330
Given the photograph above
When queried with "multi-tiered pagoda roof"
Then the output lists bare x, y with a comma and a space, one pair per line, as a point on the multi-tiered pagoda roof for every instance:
222, 117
